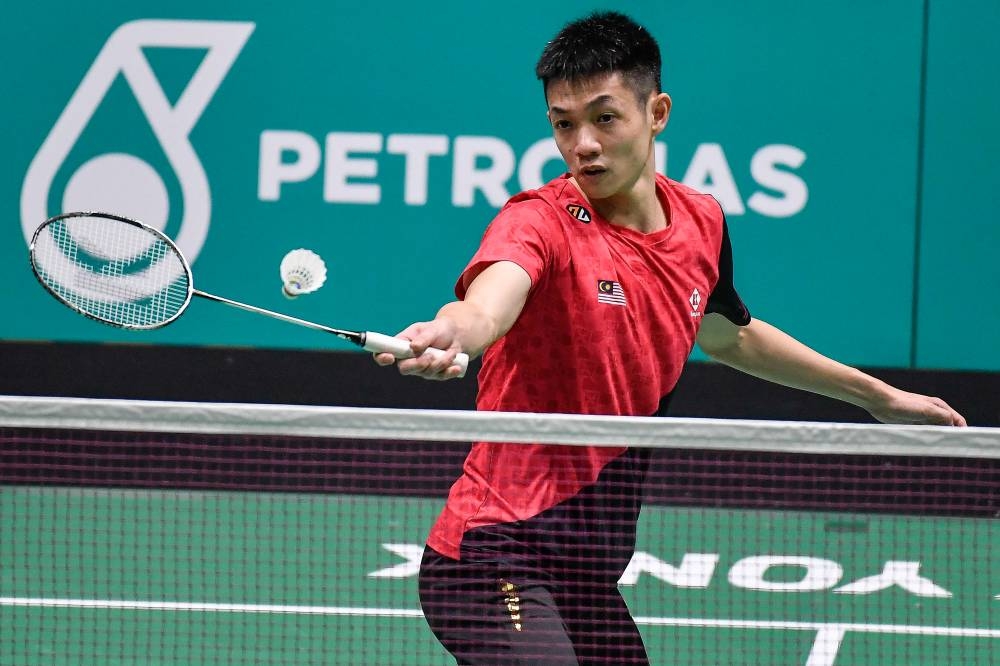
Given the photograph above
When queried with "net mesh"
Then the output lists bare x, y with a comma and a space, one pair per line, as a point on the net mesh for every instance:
176, 533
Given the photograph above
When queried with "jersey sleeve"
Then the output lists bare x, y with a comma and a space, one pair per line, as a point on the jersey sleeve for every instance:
724, 298
521, 233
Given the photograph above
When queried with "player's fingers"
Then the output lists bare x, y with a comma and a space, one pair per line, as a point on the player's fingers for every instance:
453, 371
441, 359
438, 365
953, 417
437, 361
416, 333
950, 416
413, 332
438, 333
450, 372
421, 343
384, 358
419, 365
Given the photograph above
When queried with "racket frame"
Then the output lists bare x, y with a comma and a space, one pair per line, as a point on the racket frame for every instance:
159, 235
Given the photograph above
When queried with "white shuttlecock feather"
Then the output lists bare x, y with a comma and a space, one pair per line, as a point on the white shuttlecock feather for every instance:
302, 272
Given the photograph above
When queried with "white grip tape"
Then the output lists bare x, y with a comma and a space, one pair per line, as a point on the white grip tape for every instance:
400, 348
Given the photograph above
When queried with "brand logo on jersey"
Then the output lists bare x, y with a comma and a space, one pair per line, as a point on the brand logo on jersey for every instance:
610, 292
579, 212
695, 302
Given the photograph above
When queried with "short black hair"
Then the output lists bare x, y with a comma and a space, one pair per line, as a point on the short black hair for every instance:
603, 43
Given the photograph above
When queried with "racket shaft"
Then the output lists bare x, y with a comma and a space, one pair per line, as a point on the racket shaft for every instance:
353, 336
369, 341
400, 348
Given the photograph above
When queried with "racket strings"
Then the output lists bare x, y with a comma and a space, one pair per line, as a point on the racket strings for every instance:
112, 270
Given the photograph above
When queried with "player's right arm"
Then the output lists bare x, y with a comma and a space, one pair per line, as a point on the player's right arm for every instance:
492, 303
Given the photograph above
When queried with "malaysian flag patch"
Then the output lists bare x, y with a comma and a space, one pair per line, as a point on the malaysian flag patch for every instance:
609, 291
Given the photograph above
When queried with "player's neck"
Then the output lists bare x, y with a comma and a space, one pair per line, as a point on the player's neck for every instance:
637, 208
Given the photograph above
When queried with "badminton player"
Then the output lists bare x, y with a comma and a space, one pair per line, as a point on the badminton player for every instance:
586, 296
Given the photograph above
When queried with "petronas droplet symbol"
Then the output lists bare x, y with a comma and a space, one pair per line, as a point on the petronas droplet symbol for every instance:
139, 187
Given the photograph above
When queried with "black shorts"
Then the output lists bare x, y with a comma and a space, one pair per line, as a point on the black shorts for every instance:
501, 614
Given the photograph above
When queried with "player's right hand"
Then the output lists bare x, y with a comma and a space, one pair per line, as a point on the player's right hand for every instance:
441, 333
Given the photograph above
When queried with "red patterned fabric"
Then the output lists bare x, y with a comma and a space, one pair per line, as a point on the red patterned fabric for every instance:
609, 322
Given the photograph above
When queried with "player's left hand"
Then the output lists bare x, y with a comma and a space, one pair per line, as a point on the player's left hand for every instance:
916, 409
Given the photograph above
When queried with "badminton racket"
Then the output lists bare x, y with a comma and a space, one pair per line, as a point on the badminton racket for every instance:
130, 275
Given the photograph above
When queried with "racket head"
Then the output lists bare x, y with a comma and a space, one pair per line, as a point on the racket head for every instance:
112, 269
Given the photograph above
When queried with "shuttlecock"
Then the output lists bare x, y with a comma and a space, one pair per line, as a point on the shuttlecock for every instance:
302, 272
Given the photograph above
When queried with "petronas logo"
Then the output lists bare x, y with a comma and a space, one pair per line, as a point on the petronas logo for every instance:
122, 182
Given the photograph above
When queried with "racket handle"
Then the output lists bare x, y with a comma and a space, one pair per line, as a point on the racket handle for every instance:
400, 348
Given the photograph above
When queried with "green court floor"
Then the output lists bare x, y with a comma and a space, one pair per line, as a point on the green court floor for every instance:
157, 578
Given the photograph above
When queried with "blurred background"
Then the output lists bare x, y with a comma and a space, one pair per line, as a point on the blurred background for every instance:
851, 144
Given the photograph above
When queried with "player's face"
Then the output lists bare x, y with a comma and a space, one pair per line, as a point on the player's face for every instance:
604, 133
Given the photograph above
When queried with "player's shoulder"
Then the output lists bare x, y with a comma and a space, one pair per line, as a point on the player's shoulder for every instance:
544, 205
681, 190
707, 203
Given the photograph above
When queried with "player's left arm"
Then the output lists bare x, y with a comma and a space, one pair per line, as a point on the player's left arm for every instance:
764, 351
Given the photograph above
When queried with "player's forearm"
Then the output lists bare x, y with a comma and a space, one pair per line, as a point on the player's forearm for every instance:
492, 303
768, 353
475, 328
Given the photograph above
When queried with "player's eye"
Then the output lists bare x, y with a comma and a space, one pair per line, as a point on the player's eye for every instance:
561, 124
605, 118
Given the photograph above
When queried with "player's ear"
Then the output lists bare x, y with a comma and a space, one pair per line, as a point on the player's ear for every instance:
660, 111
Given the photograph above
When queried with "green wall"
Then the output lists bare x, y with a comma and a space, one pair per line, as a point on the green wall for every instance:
857, 180
958, 321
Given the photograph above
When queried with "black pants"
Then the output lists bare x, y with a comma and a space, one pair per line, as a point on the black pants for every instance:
496, 614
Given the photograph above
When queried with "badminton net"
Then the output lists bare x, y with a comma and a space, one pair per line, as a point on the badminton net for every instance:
197, 533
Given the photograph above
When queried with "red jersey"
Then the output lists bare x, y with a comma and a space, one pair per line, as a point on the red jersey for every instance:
608, 324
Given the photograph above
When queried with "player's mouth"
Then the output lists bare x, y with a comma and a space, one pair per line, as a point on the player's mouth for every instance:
592, 172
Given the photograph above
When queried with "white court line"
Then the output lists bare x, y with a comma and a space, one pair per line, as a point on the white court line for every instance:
207, 607
396, 612
826, 647
915, 630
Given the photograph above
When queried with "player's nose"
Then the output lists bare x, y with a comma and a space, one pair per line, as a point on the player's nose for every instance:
587, 145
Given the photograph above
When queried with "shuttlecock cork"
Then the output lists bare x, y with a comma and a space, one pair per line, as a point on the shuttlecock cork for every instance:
302, 272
